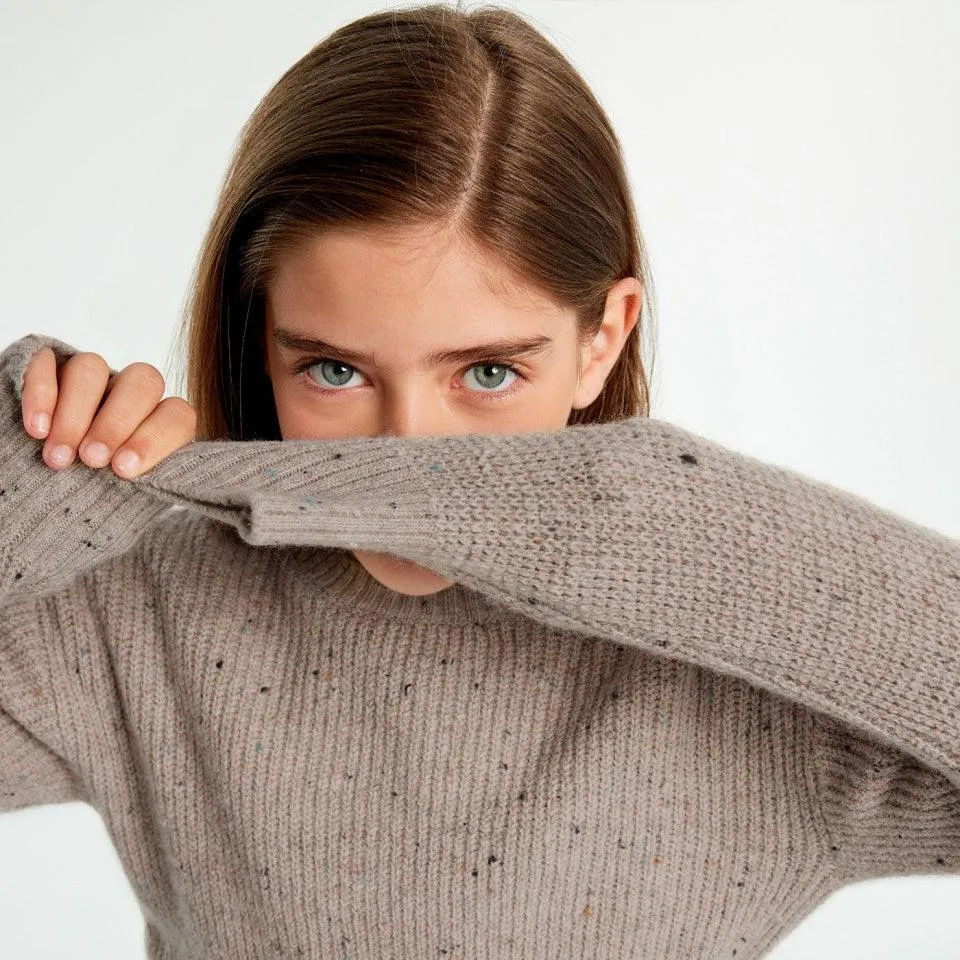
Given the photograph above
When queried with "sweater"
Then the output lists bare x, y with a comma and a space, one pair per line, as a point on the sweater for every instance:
675, 697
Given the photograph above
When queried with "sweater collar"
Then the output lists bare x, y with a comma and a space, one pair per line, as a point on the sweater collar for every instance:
334, 577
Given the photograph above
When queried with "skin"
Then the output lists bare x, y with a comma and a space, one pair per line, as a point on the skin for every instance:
404, 294
400, 293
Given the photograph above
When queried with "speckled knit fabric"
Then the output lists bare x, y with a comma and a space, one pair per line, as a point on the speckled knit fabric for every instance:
675, 699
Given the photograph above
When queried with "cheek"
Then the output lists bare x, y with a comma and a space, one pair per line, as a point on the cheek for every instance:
295, 422
294, 411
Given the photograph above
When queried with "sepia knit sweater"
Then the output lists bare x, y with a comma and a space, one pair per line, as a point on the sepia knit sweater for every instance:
676, 697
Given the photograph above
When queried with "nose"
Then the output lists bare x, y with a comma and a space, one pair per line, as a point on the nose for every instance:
416, 425
416, 412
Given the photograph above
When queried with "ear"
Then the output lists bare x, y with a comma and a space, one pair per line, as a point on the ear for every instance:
597, 358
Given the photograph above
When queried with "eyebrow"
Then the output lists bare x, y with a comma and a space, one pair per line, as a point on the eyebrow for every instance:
500, 349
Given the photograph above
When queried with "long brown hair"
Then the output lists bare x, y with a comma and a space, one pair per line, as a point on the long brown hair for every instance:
429, 114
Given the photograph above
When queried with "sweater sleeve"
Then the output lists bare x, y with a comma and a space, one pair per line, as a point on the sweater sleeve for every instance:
646, 534
55, 526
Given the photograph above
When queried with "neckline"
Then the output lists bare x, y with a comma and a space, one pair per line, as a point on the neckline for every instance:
335, 577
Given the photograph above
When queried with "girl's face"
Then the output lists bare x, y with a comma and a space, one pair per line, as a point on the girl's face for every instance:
405, 327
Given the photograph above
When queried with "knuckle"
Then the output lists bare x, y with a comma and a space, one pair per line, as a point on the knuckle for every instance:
182, 408
90, 362
112, 426
145, 373
39, 359
145, 438
41, 372
66, 420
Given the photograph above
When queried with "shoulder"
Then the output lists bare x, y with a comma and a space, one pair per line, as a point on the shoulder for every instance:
185, 545
185, 576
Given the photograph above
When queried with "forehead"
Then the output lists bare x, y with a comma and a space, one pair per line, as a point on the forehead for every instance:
396, 270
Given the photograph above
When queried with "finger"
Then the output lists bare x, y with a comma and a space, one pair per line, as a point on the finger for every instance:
171, 425
82, 381
129, 398
39, 396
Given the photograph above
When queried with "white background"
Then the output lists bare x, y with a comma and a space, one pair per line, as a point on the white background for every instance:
795, 170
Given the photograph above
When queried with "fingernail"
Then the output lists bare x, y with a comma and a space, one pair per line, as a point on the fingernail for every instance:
95, 453
127, 461
61, 455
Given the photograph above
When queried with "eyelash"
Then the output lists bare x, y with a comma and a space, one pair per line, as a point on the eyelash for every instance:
303, 366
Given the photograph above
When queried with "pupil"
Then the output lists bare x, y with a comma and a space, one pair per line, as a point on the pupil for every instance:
492, 366
341, 367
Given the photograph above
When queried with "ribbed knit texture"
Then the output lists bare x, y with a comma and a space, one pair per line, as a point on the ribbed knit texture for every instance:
675, 699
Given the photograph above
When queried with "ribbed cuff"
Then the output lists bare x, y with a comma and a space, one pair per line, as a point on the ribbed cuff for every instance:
55, 523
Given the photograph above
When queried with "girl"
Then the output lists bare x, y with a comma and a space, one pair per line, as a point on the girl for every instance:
412, 633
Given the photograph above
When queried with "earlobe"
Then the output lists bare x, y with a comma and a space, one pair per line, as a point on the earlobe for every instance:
587, 389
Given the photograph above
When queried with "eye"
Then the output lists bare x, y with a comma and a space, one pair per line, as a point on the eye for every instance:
496, 372
338, 374
326, 365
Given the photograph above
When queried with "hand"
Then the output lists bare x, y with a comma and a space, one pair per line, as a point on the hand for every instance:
103, 416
